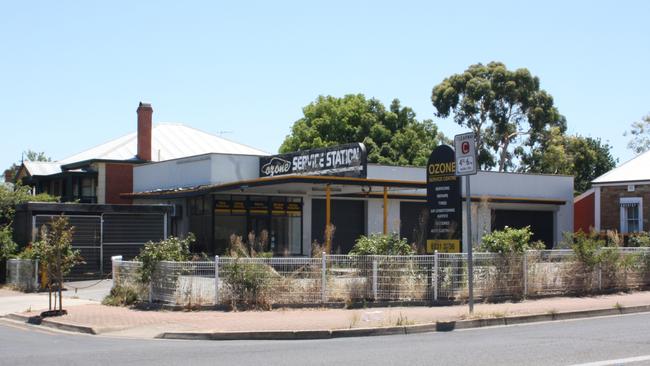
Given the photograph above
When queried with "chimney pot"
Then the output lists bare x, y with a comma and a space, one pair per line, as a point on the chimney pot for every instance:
145, 114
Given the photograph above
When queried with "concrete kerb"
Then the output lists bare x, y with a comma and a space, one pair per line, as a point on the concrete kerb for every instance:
440, 326
38, 320
408, 329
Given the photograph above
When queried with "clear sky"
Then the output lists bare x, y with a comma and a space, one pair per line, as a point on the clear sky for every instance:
72, 73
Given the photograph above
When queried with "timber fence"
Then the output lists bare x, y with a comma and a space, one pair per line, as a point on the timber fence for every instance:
418, 279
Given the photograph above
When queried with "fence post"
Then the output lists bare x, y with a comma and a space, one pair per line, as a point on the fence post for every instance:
600, 277
151, 284
374, 279
323, 287
18, 272
114, 259
435, 276
525, 267
216, 280
36, 274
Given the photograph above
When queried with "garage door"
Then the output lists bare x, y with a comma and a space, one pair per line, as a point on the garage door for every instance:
348, 219
540, 222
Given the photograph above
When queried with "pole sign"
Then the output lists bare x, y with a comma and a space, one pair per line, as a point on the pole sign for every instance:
443, 202
465, 146
349, 160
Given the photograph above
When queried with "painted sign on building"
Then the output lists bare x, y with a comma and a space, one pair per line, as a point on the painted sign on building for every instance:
443, 202
348, 160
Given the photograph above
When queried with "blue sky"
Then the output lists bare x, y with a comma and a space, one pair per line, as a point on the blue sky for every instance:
72, 73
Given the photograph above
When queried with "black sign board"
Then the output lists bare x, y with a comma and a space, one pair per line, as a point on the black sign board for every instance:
443, 202
348, 160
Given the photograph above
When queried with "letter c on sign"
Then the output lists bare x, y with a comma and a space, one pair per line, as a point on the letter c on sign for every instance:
464, 147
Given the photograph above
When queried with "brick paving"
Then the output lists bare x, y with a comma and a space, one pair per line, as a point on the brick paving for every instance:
120, 321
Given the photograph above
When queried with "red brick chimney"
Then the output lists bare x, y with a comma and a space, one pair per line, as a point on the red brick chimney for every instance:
145, 113
10, 174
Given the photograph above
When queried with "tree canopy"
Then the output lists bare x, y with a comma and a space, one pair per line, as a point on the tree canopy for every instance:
640, 134
392, 136
585, 158
502, 107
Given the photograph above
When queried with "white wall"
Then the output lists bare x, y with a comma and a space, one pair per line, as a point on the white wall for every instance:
496, 185
194, 171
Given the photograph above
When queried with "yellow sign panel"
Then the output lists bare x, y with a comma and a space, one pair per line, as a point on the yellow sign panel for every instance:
443, 246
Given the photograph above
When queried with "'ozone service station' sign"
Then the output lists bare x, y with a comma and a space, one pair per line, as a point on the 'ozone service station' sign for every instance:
349, 160
443, 202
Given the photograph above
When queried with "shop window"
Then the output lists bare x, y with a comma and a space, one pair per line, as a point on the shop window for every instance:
264, 223
631, 214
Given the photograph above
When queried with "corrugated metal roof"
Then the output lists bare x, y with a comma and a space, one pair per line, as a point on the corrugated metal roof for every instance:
637, 169
42, 167
169, 141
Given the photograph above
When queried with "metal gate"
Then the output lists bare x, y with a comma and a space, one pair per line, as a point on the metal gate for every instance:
98, 237
87, 238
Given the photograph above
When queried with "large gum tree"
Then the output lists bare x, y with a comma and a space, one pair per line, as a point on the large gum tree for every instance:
507, 111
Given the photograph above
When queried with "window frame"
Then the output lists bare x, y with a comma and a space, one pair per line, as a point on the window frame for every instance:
624, 219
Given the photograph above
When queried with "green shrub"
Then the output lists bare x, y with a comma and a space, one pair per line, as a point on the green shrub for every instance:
121, 296
380, 244
170, 249
7, 245
510, 240
586, 247
248, 282
641, 239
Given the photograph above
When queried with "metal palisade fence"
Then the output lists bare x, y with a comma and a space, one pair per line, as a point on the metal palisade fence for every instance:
419, 279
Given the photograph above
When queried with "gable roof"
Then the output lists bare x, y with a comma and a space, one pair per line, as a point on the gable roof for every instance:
634, 170
168, 141
42, 167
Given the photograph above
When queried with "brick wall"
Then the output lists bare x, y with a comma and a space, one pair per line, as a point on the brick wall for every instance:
610, 212
119, 179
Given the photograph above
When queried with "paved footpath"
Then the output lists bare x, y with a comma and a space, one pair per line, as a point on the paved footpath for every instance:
120, 321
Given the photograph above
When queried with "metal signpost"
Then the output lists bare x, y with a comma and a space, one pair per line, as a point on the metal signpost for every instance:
466, 165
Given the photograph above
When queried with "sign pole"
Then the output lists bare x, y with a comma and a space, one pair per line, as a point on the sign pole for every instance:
466, 165
470, 261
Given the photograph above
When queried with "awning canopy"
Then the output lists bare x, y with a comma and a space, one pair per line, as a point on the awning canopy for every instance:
316, 186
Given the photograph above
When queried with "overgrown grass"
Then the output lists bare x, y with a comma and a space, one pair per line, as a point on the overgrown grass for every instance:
121, 296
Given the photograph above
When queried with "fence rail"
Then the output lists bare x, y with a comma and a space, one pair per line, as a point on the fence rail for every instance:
23, 274
407, 279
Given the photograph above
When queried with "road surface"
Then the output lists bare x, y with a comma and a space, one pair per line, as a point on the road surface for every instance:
617, 340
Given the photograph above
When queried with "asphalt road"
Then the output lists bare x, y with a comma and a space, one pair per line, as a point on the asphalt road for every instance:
553, 343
